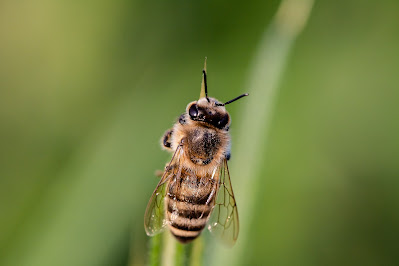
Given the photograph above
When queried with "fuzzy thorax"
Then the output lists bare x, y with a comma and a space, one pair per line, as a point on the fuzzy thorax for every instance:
204, 147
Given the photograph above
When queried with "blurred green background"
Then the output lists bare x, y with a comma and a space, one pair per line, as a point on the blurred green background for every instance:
88, 88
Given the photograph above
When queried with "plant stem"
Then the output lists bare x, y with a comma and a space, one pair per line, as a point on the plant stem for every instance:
155, 250
165, 250
168, 250
197, 252
180, 256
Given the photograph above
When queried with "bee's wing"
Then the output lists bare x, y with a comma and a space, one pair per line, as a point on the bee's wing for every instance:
154, 218
223, 222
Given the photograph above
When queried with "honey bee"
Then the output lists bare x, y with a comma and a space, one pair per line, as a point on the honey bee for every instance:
195, 189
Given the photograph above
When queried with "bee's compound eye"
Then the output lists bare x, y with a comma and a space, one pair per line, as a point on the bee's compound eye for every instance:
223, 121
193, 111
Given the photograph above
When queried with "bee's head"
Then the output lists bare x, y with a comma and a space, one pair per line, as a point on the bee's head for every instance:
209, 110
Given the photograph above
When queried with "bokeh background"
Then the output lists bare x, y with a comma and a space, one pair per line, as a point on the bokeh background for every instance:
88, 88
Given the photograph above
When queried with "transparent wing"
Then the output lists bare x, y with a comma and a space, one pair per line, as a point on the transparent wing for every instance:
154, 218
223, 222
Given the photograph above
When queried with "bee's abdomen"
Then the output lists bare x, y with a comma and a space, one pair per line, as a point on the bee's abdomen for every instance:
188, 205
188, 220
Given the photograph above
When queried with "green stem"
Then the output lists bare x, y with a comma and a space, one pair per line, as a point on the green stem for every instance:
155, 250
180, 256
165, 250
168, 250
197, 252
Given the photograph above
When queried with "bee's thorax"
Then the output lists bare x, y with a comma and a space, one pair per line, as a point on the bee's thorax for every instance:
204, 147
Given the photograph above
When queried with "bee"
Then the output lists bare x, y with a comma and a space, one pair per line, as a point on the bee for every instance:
195, 188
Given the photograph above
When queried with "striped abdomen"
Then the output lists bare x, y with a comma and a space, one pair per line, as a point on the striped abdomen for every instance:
188, 203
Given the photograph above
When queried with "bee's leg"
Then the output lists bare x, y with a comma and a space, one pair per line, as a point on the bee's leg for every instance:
160, 173
165, 141
182, 119
227, 153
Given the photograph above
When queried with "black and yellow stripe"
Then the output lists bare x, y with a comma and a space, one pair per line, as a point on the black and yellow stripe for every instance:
188, 204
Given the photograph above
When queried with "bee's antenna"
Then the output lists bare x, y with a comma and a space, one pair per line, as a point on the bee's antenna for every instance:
233, 100
204, 85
